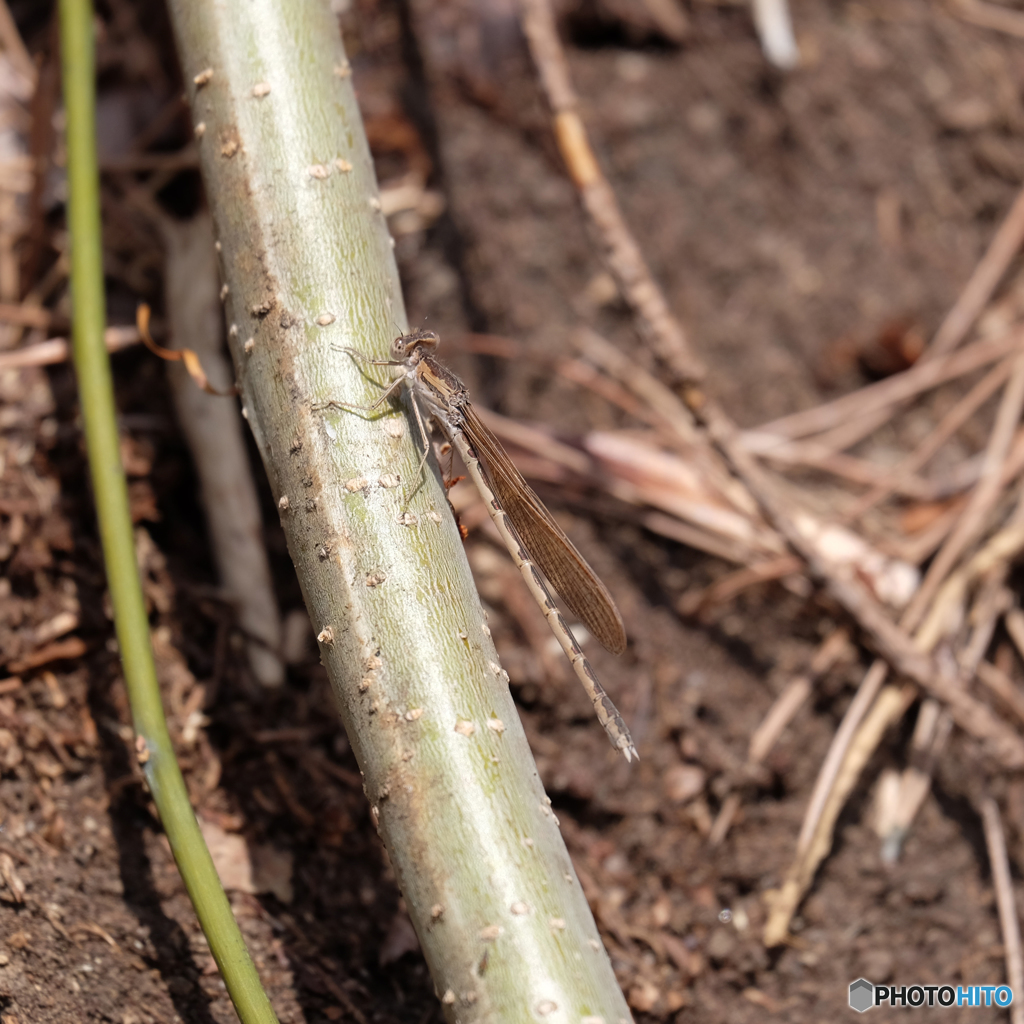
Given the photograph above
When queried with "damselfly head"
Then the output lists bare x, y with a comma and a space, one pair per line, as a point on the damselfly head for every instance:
415, 345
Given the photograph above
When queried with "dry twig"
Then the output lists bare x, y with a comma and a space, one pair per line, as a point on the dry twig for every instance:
934, 724
574, 370
781, 713
827, 773
1003, 687
951, 423
884, 395
214, 433
832, 650
897, 649
995, 841
775, 29
625, 261
987, 15
728, 587
57, 350
889, 707
1015, 627
14, 47
989, 272
985, 494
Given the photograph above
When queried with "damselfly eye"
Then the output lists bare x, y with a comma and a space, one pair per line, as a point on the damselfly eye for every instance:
405, 346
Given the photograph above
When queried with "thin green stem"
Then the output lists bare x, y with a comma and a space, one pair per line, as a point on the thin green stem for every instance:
156, 754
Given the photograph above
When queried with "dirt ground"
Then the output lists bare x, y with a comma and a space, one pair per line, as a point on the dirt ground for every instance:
793, 219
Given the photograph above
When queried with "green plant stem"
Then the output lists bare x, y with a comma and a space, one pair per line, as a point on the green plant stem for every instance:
153, 745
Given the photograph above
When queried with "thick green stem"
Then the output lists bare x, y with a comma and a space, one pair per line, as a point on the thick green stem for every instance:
96, 392
308, 269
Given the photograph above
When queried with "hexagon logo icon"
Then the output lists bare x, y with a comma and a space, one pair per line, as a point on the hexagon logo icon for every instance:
862, 995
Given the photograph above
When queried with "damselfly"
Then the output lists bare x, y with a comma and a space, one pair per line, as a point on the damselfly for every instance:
534, 540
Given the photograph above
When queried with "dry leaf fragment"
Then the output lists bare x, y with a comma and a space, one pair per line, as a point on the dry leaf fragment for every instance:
230, 854
185, 355
15, 886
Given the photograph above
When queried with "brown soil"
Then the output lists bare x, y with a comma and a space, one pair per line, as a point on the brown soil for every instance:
793, 220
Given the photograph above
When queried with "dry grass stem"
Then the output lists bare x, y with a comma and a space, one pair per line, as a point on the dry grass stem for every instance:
917, 548
989, 272
889, 707
995, 842
14, 48
895, 646
832, 650
781, 713
623, 368
56, 350
924, 543
848, 467
702, 464
914, 785
999, 683
775, 30
537, 441
723, 822
574, 370
862, 701
26, 314
643, 473
931, 734
890, 640
657, 323
946, 611
923, 376
934, 723
992, 602
696, 538
964, 409
975, 718
728, 587
1015, 627
988, 15
989, 487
